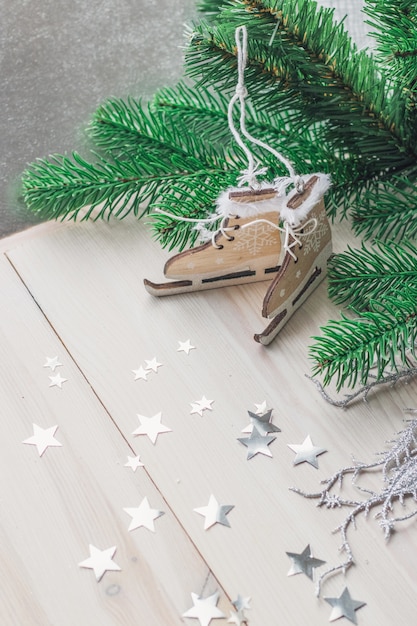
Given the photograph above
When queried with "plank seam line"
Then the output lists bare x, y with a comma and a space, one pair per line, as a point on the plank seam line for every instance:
66, 348
209, 569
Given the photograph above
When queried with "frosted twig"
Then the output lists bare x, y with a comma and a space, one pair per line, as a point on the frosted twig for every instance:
398, 466
364, 391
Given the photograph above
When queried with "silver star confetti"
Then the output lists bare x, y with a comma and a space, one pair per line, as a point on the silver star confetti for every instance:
57, 380
140, 373
201, 405
151, 426
241, 604
185, 346
257, 443
152, 365
238, 618
307, 452
43, 438
204, 609
143, 515
100, 561
262, 422
133, 462
261, 408
304, 563
52, 363
215, 513
344, 606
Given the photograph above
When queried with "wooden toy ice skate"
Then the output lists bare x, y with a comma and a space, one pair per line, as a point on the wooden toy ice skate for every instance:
303, 267
264, 233
245, 248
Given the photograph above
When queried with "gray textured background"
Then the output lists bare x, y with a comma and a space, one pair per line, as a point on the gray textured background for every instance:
60, 58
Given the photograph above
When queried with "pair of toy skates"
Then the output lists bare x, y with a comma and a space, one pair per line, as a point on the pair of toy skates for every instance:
263, 236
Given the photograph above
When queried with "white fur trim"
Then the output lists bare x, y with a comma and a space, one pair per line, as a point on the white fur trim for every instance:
295, 216
225, 206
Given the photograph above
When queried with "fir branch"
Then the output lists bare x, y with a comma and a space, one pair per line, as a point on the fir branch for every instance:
174, 233
204, 111
388, 210
133, 130
122, 128
60, 187
394, 23
358, 276
395, 31
349, 348
155, 162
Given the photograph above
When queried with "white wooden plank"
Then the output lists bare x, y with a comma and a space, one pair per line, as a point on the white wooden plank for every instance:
53, 507
87, 280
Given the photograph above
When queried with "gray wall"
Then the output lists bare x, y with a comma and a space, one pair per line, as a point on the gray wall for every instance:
60, 58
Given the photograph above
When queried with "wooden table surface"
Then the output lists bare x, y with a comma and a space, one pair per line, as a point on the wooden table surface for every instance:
75, 291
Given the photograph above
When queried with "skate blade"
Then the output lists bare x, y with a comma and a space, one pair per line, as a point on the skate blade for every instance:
226, 280
273, 328
168, 289
285, 312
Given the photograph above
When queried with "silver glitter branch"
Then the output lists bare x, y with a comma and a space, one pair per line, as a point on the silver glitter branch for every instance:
363, 392
398, 466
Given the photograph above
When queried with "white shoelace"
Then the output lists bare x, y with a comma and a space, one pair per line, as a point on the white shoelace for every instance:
296, 233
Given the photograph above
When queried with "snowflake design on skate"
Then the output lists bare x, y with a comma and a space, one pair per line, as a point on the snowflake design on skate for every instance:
253, 239
313, 241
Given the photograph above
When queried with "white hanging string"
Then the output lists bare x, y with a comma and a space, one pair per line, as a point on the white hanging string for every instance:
249, 176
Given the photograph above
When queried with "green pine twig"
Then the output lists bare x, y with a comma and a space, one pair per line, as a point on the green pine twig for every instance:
132, 129
394, 24
61, 187
151, 163
204, 111
387, 210
394, 30
357, 276
349, 348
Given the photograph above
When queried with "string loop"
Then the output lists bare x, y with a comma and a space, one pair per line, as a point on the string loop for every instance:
250, 175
